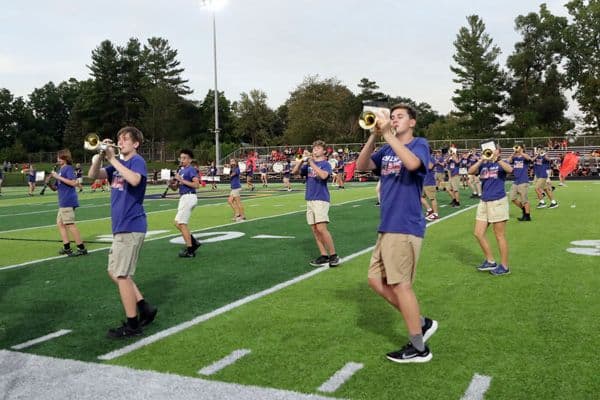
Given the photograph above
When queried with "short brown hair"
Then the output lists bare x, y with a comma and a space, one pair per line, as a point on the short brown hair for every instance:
319, 143
410, 110
65, 155
134, 133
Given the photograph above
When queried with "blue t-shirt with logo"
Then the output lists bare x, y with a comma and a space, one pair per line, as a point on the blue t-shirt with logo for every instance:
439, 164
235, 178
541, 165
31, 176
126, 201
452, 167
188, 173
316, 188
429, 178
401, 189
520, 165
492, 178
67, 196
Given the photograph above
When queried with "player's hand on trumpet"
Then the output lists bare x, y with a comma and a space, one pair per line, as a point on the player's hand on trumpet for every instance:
383, 123
307, 156
109, 150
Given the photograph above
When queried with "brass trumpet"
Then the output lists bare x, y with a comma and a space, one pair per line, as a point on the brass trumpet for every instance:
367, 120
518, 148
487, 154
92, 143
539, 151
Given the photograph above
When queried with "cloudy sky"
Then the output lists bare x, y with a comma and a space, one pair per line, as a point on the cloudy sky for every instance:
405, 46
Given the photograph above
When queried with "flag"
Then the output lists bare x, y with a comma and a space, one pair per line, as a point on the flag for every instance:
349, 169
569, 164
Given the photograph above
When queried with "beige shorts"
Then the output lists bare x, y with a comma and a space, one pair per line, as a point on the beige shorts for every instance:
440, 176
493, 211
317, 211
235, 192
542, 183
187, 202
429, 192
519, 192
473, 178
124, 252
66, 215
454, 183
395, 258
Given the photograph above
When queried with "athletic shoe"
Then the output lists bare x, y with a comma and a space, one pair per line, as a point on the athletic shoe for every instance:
124, 331
486, 266
408, 354
186, 254
524, 218
541, 204
64, 251
456, 204
429, 328
553, 205
500, 270
321, 261
432, 217
147, 314
474, 196
195, 245
78, 252
378, 204
240, 219
334, 261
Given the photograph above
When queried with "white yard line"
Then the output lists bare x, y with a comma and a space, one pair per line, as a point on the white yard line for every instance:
44, 338
477, 388
224, 362
340, 377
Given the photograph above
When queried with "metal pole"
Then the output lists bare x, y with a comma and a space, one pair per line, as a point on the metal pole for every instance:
217, 149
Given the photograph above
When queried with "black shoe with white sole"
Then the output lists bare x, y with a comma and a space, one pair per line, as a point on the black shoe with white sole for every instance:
408, 354
321, 261
429, 328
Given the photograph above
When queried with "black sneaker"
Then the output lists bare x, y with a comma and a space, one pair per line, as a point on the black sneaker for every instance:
321, 261
195, 246
334, 261
78, 252
408, 354
64, 251
524, 218
184, 253
147, 314
124, 331
429, 328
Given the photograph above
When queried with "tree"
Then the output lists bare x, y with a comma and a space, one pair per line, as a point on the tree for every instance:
161, 66
133, 81
226, 117
536, 100
368, 90
582, 41
321, 109
7, 128
254, 118
481, 81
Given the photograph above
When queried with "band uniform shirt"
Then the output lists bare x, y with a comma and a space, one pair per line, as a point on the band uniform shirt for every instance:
401, 189
235, 178
316, 188
520, 168
67, 196
464, 162
31, 175
439, 164
492, 177
213, 171
126, 201
453, 167
541, 165
429, 179
188, 173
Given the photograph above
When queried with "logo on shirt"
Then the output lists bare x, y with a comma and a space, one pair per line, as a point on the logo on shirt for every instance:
117, 182
390, 165
519, 164
489, 172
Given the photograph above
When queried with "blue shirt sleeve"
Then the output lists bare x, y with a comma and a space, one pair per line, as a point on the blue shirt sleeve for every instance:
421, 150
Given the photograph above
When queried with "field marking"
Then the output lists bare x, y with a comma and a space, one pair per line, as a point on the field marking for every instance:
224, 362
477, 388
340, 377
50, 211
44, 338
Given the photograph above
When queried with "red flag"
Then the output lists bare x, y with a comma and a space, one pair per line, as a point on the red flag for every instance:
569, 164
349, 170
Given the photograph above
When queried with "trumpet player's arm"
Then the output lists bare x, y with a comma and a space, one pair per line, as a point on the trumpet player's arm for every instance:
70, 182
297, 167
95, 171
505, 166
132, 177
194, 183
364, 161
409, 160
321, 173
474, 169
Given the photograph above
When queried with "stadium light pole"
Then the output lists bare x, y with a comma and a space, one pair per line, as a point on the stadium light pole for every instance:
213, 5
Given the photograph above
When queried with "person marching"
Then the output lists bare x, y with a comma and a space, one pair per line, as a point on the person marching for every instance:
318, 170
541, 165
520, 187
212, 172
250, 173
452, 164
79, 176
65, 184
263, 174
234, 199
429, 198
30, 171
186, 179
492, 210
339, 170
287, 171
127, 176
401, 163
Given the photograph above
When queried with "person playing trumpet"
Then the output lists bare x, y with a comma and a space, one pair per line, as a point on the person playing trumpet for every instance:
317, 170
520, 188
541, 165
187, 181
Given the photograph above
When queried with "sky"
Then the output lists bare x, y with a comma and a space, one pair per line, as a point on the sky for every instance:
271, 45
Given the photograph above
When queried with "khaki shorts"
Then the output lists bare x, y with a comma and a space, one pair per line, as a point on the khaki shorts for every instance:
542, 183
454, 183
473, 179
493, 211
235, 192
66, 216
187, 202
317, 211
395, 258
124, 252
519, 192
429, 192
440, 176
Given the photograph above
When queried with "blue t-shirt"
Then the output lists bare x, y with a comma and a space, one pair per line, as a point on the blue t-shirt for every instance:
213, 171
31, 175
340, 166
439, 164
429, 178
67, 196
401, 189
188, 173
316, 188
126, 201
249, 169
452, 167
263, 170
464, 162
541, 165
492, 178
235, 178
520, 165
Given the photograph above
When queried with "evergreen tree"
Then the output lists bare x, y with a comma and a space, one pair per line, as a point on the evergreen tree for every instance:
161, 67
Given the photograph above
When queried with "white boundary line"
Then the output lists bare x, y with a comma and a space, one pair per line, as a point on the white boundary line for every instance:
44, 338
224, 362
340, 377
477, 388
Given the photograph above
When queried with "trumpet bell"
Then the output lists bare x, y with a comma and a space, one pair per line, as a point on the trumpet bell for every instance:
367, 120
91, 142
487, 154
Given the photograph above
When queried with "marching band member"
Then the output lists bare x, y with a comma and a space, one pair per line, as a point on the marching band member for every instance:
520, 187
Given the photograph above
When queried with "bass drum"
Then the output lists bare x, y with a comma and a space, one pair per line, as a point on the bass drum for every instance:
226, 170
278, 167
242, 165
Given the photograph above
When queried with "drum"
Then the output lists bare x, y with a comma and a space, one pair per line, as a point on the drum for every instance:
242, 165
278, 167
